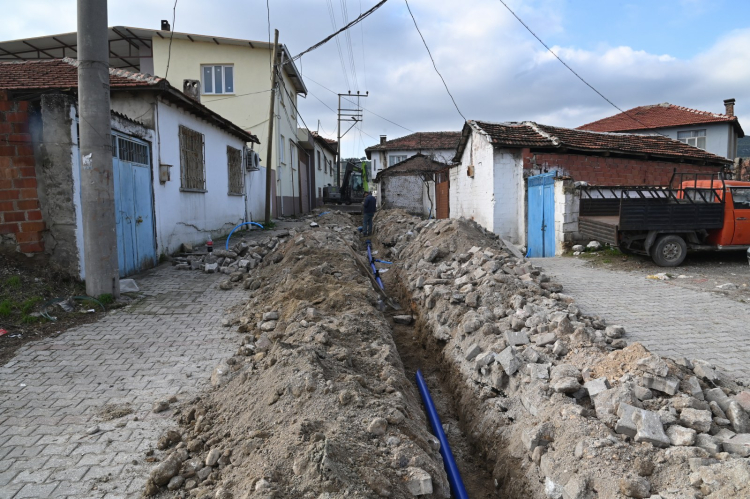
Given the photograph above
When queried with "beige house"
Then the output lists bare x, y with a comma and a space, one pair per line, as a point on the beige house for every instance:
234, 80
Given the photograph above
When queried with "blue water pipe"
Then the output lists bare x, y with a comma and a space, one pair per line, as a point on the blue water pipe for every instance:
372, 264
382, 261
240, 225
451, 469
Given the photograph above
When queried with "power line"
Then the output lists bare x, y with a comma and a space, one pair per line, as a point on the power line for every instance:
347, 34
433, 60
171, 35
362, 32
332, 16
571, 69
328, 38
368, 110
239, 95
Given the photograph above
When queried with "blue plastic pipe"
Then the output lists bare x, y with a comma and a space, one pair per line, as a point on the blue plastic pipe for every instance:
454, 476
372, 264
240, 225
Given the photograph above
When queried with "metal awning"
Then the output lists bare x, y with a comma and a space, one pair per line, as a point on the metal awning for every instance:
127, 47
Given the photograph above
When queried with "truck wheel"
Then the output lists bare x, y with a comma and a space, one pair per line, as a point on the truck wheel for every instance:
669, 251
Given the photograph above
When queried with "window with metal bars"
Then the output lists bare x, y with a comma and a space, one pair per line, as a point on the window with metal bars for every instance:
236, 178
132, 152
192, 163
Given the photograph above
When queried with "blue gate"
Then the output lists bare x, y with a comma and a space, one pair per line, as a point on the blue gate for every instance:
136, 248
541, 215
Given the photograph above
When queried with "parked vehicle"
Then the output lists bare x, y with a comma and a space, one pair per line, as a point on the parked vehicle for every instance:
695, 211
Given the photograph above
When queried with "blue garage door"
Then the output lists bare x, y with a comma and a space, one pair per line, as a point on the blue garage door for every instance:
136, 248
541, 215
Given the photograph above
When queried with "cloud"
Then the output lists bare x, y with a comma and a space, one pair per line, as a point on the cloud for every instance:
495, 69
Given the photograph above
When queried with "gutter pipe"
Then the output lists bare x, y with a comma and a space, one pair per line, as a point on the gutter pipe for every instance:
451, 469
372, 264
237, 227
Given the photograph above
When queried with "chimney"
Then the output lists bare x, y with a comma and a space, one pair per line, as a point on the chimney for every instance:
165, 25
729, 107
192, 88
382, 139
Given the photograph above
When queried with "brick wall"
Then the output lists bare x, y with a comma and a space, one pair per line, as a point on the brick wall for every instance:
610, 170
20, 217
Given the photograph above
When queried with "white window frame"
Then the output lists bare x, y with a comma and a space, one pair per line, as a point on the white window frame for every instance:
693, 137
213, 79
396, 158
281, 150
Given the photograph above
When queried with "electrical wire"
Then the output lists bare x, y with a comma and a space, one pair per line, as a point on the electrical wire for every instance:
362, 32
351, 101
347, 34
573, 71
332, 16
171, 35
433, 60
328, 38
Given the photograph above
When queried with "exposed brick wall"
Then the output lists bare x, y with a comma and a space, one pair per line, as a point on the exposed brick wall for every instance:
20, 216
610, 170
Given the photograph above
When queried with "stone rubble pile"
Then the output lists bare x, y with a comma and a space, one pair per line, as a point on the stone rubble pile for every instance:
315, 403
556, 395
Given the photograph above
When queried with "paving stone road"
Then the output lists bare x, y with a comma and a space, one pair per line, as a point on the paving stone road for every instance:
670, 320
53, 390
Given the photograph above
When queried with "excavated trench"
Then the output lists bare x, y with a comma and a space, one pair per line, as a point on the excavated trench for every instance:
486, 468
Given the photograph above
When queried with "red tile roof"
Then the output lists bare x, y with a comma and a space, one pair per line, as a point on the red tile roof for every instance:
419, 141
63, 74
658, 116
329, 143
535, 136
419, 163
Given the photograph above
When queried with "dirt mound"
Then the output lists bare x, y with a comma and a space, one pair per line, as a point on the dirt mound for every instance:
315, 403
557, 401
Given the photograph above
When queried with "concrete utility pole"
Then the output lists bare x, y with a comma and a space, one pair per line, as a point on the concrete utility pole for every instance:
269, 154
97, 182
349, 115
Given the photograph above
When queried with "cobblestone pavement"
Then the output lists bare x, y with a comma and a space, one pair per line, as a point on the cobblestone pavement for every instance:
670, 320
56, 389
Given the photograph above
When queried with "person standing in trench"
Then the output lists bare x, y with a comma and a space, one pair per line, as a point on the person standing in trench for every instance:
369, 207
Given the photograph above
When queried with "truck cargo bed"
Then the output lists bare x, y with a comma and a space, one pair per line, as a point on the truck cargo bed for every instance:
600, 228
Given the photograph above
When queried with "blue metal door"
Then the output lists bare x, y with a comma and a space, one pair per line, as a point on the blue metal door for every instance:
541, 215
136, 250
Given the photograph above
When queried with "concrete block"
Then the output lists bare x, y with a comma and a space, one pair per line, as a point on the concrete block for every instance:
211, 268
625, 425
509, 360
737, 415
703, 369
545, 339
596, 386
472, 352
539, 371
743, 398
681, 436
738, 444
485, 359
418, 482
696, 419
650, 429
708, 443
666, 385
691, 386
516, 338
717, 395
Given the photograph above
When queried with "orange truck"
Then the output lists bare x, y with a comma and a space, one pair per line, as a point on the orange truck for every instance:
694, 212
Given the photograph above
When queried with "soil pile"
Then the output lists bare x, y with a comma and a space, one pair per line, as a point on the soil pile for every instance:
557, 401
315, 402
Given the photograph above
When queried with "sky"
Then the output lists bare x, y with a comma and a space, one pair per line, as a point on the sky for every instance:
693, 53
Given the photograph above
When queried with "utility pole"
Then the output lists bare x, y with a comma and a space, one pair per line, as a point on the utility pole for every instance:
348, 115
97, 182
269, 153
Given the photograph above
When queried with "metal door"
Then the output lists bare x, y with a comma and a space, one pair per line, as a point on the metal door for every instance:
541, 215
136, 248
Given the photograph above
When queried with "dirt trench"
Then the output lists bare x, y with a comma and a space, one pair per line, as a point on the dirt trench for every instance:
417, 354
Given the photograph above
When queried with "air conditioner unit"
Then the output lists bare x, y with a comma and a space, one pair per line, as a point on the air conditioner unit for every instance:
252, 161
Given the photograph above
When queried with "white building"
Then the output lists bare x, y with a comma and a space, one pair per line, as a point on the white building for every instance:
713, 132
325, 159
180, 169
440, 146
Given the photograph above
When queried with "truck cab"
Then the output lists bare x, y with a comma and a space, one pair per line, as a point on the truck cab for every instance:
736, 229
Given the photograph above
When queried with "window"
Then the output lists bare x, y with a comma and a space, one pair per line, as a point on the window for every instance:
392, 160
291, 153
281, 150
318, 153
374, 165
192, 164
236, 178
695, 138
741, 199
218, 79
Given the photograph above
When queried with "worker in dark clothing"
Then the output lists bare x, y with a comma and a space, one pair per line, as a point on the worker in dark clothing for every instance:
369, 207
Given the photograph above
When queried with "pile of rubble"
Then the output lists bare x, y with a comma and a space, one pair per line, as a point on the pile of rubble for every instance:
555, 399
315, 403
242, 257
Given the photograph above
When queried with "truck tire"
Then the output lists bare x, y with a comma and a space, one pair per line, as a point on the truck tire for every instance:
669, 251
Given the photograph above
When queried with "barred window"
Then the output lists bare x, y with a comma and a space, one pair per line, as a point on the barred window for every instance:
132, 152
192, 163
236, 178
